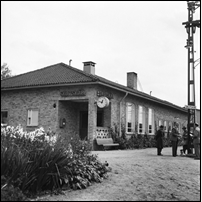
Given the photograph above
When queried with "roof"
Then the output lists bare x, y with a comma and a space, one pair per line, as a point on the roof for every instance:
52, 75
62, 74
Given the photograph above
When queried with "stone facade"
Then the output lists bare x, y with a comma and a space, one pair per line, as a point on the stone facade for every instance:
70, 102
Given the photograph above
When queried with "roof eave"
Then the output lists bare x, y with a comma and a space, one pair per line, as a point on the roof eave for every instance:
47, 86
96, 82
144, 97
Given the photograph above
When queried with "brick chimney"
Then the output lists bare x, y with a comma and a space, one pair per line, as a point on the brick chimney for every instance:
132, 80
89, 67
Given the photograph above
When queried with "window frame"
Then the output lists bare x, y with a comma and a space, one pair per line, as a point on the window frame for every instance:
160, 123
33, 123
132, 118
152, 121
165, 126
170, 126
179, 127
4, 124
142, 121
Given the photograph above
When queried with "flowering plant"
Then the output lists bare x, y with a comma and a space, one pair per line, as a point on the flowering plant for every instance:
37, 135
37, 161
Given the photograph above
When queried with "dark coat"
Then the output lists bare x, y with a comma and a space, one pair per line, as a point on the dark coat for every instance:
174, 135
159, 139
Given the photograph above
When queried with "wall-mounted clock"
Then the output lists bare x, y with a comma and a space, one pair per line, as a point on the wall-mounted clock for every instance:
102, 102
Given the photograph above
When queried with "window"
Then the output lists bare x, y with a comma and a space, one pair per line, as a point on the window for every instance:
179, 127
170, 126
165, 126
4, 117
141, 120
151, 121
130, 118
160, 122
32, 118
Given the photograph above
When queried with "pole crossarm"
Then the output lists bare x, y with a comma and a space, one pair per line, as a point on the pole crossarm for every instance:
195, 23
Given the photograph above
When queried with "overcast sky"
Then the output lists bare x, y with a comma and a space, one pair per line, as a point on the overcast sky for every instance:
119, 36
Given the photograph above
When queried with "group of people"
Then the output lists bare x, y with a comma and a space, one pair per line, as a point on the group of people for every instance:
174, 138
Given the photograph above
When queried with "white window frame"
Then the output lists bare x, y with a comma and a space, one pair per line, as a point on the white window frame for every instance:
151, 121
179, 127
32, 117
170, 125
159, 123
165, 125
132, 114
141, 119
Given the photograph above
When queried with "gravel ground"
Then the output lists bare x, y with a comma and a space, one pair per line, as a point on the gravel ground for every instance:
141, 175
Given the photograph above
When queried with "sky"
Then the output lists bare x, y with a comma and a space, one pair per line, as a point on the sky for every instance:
146, 37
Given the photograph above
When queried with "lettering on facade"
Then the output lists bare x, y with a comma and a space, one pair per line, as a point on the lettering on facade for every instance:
189, 107
73, 93
105, 94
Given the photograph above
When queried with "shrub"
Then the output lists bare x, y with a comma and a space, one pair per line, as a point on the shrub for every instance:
11, 193
135, 141
26, 157
123, 143
38, 161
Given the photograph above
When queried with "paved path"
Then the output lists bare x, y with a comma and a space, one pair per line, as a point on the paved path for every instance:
141, 175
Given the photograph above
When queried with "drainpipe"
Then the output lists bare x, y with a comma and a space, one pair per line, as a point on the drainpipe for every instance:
120, 113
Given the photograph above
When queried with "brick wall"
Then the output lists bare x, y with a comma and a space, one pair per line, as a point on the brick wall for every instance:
161, 112
68, 110
18, 102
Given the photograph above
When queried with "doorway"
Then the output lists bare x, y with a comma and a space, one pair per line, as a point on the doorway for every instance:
83, 126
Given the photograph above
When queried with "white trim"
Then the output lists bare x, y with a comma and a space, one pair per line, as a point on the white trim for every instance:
151, 122
31, 115
141, 119
132, 118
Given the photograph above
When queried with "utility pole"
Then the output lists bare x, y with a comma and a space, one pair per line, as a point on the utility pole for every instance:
190, 26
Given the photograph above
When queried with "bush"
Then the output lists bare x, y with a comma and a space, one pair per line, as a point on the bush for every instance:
123, 143
11, 193
38, 161
135, 141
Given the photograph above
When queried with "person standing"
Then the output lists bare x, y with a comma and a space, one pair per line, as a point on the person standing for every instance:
174, 139
185, 140
159, 140
196, 141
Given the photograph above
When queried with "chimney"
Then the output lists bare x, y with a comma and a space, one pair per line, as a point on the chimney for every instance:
132, 80
89, 67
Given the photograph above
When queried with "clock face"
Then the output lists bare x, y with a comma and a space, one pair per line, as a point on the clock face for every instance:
102, 102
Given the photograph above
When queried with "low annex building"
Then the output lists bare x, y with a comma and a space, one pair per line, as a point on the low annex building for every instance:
69, 100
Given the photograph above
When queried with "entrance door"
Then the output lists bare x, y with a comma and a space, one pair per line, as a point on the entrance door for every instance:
83, 129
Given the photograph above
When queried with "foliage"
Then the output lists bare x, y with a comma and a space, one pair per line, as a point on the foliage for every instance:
11, 193
134, 141
5, 71
39, 161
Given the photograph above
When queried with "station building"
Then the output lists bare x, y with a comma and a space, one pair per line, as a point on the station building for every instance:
69, 100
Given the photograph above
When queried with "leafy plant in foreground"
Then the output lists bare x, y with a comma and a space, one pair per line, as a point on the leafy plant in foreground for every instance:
35, 162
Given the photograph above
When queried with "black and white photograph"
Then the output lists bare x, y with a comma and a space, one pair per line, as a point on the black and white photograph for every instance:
100, 101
